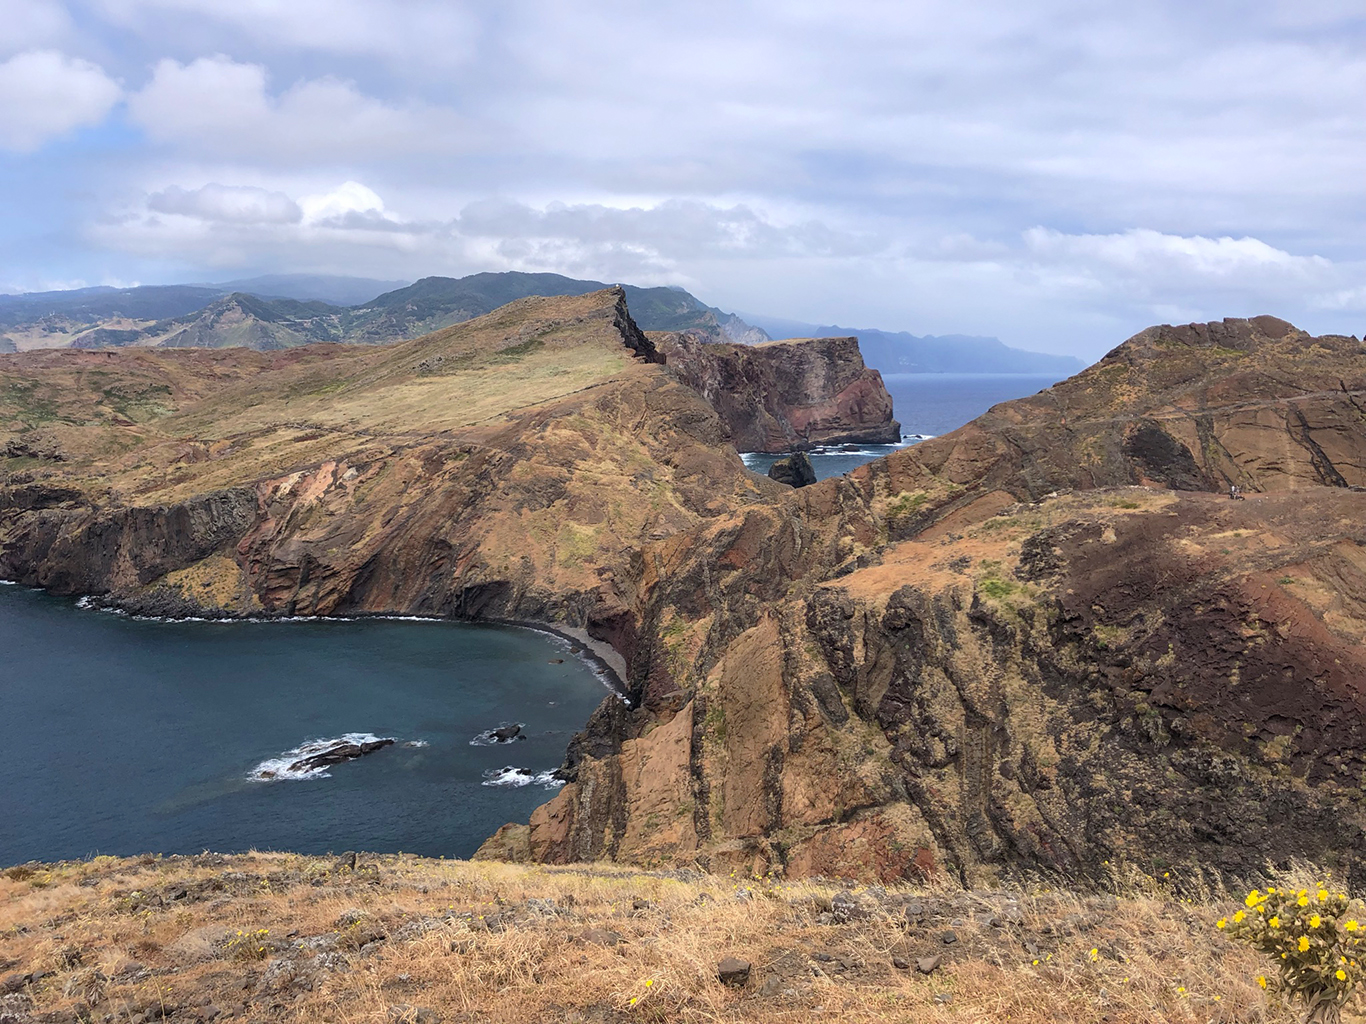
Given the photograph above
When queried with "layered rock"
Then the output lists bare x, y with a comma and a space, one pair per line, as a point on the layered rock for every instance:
504, 468
1047, 640
782, 396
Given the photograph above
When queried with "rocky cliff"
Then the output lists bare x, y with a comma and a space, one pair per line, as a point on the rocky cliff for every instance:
1048, 641
782, 396
505, 468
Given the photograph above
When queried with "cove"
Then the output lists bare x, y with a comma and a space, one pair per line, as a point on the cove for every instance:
123, 736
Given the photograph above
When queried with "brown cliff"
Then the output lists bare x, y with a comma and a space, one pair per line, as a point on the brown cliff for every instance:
507, 467
782, 396
1046, 640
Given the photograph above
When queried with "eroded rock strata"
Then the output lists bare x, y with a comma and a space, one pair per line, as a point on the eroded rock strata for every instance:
782, 396
504, 468
1048, 639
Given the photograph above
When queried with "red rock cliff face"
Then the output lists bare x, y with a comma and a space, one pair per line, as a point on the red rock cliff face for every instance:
783, 396
1047, 641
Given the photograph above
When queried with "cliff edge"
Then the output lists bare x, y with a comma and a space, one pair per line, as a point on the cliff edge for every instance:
782, 396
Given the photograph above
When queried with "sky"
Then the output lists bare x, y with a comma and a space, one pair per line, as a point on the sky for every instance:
1057, 174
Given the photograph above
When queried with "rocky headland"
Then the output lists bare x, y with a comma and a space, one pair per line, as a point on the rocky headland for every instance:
1044, 642
782, 396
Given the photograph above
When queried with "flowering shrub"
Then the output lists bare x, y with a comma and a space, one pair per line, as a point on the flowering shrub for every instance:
1313, 937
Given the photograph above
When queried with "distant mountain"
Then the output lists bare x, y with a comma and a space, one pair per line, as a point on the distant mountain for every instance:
238, 319
339, 291
199, 316
436, 302
900, 352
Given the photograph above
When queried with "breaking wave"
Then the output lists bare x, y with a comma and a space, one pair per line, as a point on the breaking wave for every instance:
519, 777
277, 769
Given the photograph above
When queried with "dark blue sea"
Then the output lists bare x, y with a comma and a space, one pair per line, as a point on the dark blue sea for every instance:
122, 736
927, 405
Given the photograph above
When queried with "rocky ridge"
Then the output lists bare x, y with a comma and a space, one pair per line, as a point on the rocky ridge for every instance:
1045, 641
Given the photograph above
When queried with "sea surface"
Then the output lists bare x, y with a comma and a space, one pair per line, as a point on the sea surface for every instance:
122, 736
927, 405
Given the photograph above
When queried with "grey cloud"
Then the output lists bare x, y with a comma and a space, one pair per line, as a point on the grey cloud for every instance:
234, 204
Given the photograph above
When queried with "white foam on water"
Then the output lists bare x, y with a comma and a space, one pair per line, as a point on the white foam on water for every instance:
516, 778
417, 744
277, 769
487, 739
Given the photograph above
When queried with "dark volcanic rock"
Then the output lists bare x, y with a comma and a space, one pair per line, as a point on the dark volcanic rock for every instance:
795, 470
342, 750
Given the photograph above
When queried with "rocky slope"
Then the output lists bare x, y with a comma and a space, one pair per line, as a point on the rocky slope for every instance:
505, 468
1046, 641
781, 396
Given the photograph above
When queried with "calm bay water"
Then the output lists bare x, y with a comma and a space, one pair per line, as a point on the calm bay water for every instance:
122, 736
927, 405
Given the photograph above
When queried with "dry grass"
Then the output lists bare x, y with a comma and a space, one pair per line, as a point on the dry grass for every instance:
403, 938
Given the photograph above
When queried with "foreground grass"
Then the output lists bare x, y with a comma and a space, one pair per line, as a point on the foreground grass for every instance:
281, 937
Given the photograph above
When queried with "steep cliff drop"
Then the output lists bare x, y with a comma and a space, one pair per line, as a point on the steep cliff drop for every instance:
782, 396
508, 467
1045, 641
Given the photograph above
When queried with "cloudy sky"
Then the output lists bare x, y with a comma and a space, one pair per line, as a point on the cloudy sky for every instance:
1057, 174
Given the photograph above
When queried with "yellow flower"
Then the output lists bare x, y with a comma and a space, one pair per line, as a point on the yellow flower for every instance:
1275, 922
1323, 895
1341, 975
1251, 900
649, 982
1181, 990
1303, 901
1351, 926
1238, 917
1315, 921
1304, 943
1221, 923
1261, 981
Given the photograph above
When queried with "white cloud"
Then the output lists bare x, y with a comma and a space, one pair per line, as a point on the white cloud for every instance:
31, 23
217, 105
45, 94
349, 204
233, 204
1153, 257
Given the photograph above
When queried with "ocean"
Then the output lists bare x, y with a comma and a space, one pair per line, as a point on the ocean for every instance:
123, 736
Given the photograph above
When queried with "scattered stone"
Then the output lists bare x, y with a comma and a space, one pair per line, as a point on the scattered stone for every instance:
795, 470
601, 936
948, 938
733, 971
772, 986
944, 997
928, 964
845, 907
915, 912
901, 963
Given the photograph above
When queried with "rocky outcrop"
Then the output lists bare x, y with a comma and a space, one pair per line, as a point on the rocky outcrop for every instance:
1043, 642
782, 396
504, 468
795, 470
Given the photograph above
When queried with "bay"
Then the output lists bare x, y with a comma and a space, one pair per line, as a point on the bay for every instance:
121, 736
927, 405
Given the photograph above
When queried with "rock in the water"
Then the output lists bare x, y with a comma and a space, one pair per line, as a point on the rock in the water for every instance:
342, 750
506, 733
733, 971
795, 470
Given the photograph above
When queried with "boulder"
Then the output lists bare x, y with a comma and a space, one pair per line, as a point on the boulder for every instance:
733, 971
795, 470
342, 750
